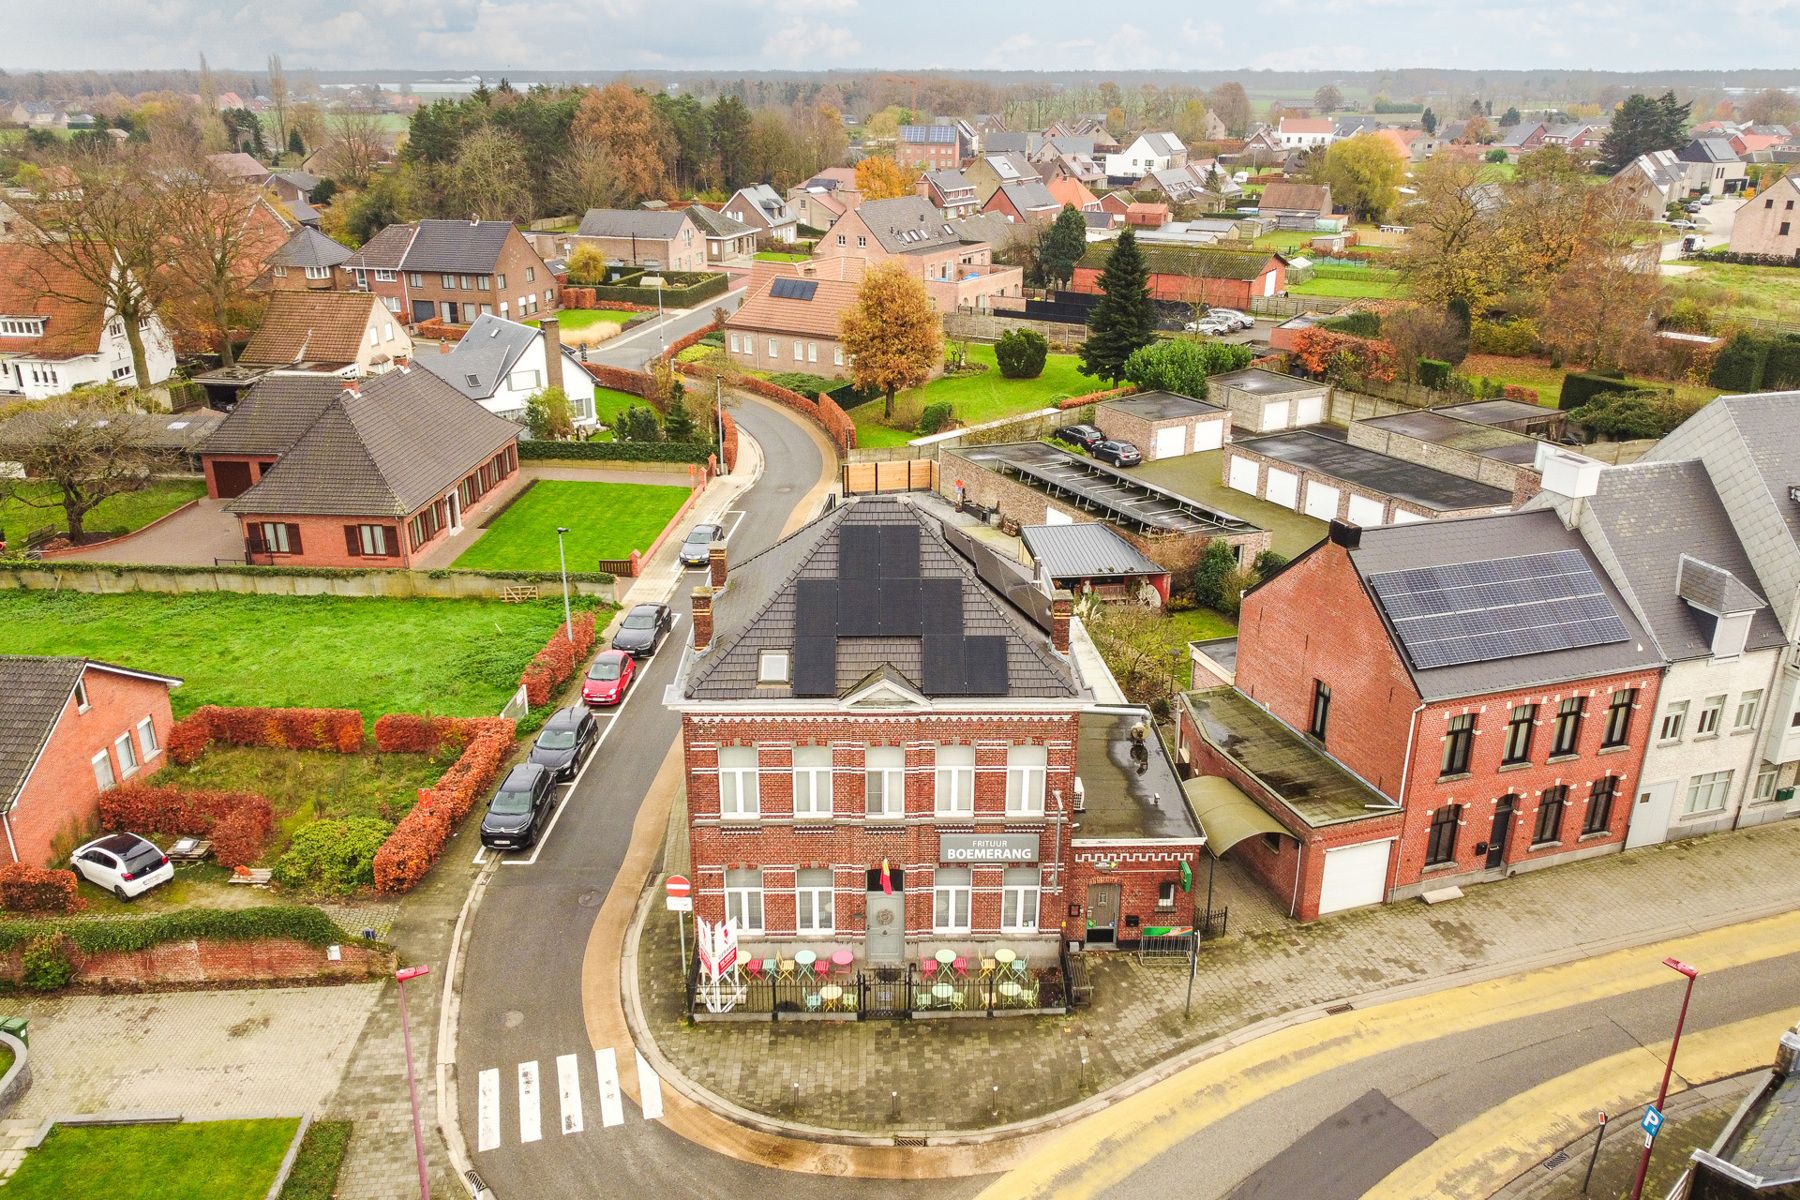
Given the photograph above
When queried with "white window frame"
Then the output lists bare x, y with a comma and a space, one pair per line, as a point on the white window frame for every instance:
1763, 790
774, 348
837, 356
1711, 715
740, 786
318, 272
951, 900
1749, 708
734, 343
1027, 773
955, 794
1674, 722
891, 777
812, 781
103, 771
82, 704
1019, 903
815, 905
744, 902
147, 742
1165, 895
1711, 790
128, 759
383, 275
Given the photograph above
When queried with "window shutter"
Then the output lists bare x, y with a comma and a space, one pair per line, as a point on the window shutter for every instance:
293, 539
352, 542
390, 538
253, 539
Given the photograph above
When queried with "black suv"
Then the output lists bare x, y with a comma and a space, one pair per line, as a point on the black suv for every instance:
518, 808
1085, 436
565, 740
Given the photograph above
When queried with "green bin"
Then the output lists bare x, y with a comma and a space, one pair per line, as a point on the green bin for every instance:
17, 1027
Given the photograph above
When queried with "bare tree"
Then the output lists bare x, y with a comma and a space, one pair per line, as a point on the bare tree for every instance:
585, 178
355, 145
88, 447
219, 240
278, 99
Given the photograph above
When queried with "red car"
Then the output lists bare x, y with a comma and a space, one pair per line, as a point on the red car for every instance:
607, 678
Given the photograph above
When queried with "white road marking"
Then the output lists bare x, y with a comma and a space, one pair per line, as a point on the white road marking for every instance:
488, 1087
612, 1109
650, 1088
530, 1119
568, 1086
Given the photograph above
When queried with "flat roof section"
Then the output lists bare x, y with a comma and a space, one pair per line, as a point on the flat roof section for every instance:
1428, 488
1162, 406
1305, 778
1129, 788
1499, 412
1264, 383
1107, 493
1424, 425
1201, 478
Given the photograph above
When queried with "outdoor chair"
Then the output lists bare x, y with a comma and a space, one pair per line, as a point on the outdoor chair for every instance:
753, 968
961, 967
929, 968
822, 968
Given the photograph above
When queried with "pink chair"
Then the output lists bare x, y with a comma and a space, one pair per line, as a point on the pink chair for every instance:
822, 967
961, 966
929, 968
753, 968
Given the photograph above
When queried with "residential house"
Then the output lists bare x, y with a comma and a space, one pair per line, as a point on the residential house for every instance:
74, 728
308, 262
989, 171
1024, 203
1304, 203
383, 474
376, 268
790, 317
501, 364
1580, 138
1518, 139
238, 165
1655, 180
953, 258
940, 147
1044, 149
1153, 151
762, 209
906, 777
666, 239
727, 239
1117, 202
1212, 129
1065, 189
1452, 702
1092, 125
1194, 274
1661, 533
1713, 166
1182, 185
950, 192
1262, 148
35, 114
1350, 126
456, 270
1082, 169
58, 333
1769, 222
1144, 214
1304, 133
824, 198
349, 335
1010, 143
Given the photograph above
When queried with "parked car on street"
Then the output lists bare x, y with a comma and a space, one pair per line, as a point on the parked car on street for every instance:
123, 863
608, 676
1085, 436
698, 545
1119, 454
516, 812
1241, 320
1683, 225
566, 739
643, 628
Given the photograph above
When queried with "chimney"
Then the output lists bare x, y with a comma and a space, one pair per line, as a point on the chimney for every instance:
552, 351
1787, 1052
352, 387
1062, 604
1344, 534
402, 363
715, 561
703, 599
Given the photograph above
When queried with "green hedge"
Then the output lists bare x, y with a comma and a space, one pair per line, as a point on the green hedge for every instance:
1357, 324
63, 565
704, 287
1739, 367
1578, 388
1434, 373
96, 935
670, 452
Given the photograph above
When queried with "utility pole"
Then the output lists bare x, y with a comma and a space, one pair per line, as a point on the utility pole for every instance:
568, 621
400, 978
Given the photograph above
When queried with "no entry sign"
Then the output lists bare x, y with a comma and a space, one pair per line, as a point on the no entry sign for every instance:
681, 893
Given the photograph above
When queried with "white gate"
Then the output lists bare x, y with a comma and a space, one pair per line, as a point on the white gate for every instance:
1354, 876
1170, 442
1366, 512
1241, 475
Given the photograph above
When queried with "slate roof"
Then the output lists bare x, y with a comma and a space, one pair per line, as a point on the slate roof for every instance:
1162, 143
37, 690
310, 248
386, 250
274, 414
993, 229
1759, 428
766, 198
907, 225
1708, 150
714, 223
306, 181
1389, 548
1004, 142
1714, 588
1011, 167
182, 431
319, 327
659, 224
1085, 550
471, 247
386, 450
1421, 485
947, 182
487, 352
1028, 197
759, 609
1763, 1140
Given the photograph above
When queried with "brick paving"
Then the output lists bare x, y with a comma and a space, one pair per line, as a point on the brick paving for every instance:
844, 1075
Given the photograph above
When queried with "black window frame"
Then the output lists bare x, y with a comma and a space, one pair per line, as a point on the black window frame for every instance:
1618, 718
1459, 746
1553, 806
1566, 739
1518, 735
1440, 837
1321, 709
1598, 818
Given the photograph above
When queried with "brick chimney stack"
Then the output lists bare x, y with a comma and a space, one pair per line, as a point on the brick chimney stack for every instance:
703, 617
552, 351
1062, 605
353, 387
715, 561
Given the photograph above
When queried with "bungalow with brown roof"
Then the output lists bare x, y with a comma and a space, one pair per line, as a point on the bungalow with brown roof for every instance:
1290, 201
789, 318
345, 334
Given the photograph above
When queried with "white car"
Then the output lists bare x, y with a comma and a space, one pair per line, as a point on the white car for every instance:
123, 863
1210, 326
1236, 318
1683, 225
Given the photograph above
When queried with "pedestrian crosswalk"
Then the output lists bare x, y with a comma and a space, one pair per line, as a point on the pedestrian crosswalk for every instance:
491, 1124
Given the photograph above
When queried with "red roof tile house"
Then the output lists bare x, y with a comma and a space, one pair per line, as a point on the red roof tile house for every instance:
70, 729
332, 474
1430, 705
56, 333
790, 316
954, 259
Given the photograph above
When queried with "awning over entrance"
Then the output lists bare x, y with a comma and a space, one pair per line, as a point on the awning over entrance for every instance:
1226, 814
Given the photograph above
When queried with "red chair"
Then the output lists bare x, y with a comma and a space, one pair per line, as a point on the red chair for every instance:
928, 968
961, 967
822, 967
753, 968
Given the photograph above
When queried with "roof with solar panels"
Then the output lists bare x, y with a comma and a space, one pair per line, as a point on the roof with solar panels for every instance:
873, 589
1488, 604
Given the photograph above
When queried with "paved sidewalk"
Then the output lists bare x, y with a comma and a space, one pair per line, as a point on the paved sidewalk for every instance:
844, 1075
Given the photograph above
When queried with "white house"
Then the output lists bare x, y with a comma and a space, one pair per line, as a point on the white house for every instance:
1303, 133
761, 208
500, 364
1149, 152
56, 334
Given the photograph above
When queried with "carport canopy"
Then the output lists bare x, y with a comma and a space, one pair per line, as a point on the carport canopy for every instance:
1226, 814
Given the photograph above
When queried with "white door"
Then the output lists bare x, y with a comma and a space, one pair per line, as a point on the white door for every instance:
1209, 435
1283, 488
1321, 501
1650, 816
1365, 512
1309, 410
1241, 474
1269, 284
1170, 442
1275, 416
1354, 876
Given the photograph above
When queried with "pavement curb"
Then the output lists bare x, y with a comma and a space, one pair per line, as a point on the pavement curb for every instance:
449, 1125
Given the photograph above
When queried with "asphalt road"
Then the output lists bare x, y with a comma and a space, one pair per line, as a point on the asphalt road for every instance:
1343, 1130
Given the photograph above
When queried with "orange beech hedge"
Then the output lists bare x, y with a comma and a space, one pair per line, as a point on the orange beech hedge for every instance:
24, 888
417, 841
556, 662
335, 729
239, 823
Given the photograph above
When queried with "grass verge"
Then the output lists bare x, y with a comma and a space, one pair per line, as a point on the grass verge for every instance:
205, 1160
126, 511
976, 397
604, 520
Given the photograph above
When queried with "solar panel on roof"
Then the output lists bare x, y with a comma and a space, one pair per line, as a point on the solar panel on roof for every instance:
859, 606
899, 551
1498, 608
940, 606
815, 666
815, 608
859, 552
899, 608
793, 289
984, 665
943, 664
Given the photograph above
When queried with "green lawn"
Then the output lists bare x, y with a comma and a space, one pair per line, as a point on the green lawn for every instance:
1548, 380
574, 319
1770, 293
975, 398
780, 256
126, 511
1203, 624
605, 520
315, 1172
205, 1160
1379, 287
456, 657
609, 403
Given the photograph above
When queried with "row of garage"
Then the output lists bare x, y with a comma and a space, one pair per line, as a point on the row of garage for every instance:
1316, 498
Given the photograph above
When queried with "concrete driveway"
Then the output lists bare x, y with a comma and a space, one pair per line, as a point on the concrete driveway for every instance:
1715, 233
192, 537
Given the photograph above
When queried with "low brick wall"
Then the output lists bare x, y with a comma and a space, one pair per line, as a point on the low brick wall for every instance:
217, 962
110, 578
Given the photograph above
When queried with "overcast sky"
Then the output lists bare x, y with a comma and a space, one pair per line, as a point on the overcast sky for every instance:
907, 34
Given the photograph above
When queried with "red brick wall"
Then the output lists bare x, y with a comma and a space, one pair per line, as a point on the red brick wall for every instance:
217, 962
1224, 293
62, 790
1140, 873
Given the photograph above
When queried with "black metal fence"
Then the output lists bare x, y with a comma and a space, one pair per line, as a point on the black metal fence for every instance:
893, 992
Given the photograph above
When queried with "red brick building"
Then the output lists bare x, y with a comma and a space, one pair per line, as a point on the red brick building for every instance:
1221, 278
1421, 706
885, 754
452, 271
72, 728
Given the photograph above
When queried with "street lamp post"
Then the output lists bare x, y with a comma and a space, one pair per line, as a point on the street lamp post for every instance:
662, 334
1662, 1093
563, 558
412, 1082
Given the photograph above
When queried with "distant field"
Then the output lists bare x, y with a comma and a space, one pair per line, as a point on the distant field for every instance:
1769, 293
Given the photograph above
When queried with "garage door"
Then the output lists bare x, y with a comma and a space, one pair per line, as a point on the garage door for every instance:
1283, 488
1275, 416
1354, 876
1242, 474
1309, 410
1366, 512
1171, 442
231, 478
1321, 501
1209, 435
1402, 517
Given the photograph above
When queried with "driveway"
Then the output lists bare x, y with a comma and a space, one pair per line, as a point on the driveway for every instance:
191, 537
1714, 233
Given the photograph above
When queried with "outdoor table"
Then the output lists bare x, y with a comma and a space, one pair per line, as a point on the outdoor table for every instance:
944, 992
831, 993
945, 956
843, 958
804, 959
1009, 989
1004, 955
